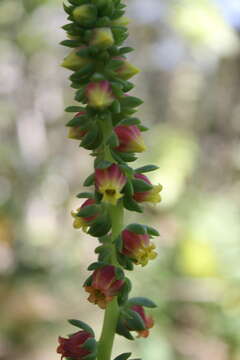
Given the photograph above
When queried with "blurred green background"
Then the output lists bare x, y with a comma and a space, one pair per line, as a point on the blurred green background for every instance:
188, 51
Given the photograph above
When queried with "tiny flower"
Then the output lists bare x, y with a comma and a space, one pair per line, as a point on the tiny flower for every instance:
130, 139
75, 62
102, 38
73, 347
148, 320
151, 195
138, 247
85, 14
83, 222
110, 182
104, 286
99, 94
76, 132
126, 70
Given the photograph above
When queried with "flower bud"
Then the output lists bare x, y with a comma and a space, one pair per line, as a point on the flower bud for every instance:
102, 38
99, 94
130, 139
83, 222
122, 21
85, 14
110, 182
76, 132
75, 62
126, 70
73, 347
151, 195
148, 320
104, 286
138, 247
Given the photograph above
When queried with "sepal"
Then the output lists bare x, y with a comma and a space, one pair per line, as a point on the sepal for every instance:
81, 325
124, 356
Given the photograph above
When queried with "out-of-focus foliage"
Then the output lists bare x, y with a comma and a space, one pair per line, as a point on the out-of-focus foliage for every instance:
189, 53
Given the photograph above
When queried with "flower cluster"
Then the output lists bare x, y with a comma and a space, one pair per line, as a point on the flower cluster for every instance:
103, 122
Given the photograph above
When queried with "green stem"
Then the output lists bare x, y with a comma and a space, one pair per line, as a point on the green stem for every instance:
112, 311
111, 315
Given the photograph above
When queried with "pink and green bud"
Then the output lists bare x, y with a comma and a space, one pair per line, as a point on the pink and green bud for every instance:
83, 222
126, 70
104, 286
75, 62
76, 132
130, 139
85, 14
148, 320
138, 247
109, 182
102, 38
73, 347
152, 195
99, 94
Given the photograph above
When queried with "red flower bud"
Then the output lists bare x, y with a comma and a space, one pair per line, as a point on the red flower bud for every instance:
73, 347
83, 222
99, 94
76, 132
138, 247
104, 286
110, 182
130, 139
148, 320
151, 195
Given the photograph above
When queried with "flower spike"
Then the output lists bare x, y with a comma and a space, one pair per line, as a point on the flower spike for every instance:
103, 122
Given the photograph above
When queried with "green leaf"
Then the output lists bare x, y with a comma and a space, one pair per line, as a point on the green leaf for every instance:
70, 43
143, 128
89, 180
100, 227
81, 325
123, 296
128, 171
103, 164
113, 141
127, 157
116, 107
90, 344
103, 21
146, 168
68, 9
131, 101
90, 138
125, 50
134, 320
123, 331
84, 71
151, 231
75, 109
137, 228
142, 301
130, 121
119, 273
85, 195
124, 356
77, 121
128, 189
96, 265
131, 205
141, 185
88, 211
